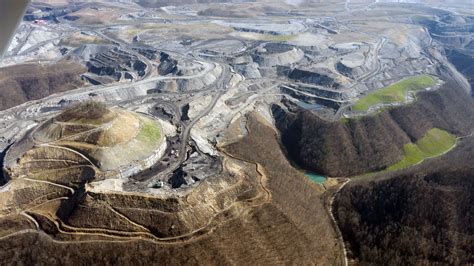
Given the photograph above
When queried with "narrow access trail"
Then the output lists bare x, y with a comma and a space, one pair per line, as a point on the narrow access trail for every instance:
336, 226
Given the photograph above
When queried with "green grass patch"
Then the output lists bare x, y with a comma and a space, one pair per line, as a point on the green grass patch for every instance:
434, 143
345, 120
395, 93
150, 132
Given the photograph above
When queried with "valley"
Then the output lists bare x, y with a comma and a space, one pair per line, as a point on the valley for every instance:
238, 132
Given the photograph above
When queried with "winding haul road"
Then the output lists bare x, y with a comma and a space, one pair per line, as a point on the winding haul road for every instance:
220, 89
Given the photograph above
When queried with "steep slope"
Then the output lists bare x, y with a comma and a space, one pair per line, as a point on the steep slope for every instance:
259, 210
293, 195
422, 215
464, 62
454, 32
22, 83
371, 143
86, 141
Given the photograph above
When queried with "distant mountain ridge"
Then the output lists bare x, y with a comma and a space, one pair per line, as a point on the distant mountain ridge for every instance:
147, 3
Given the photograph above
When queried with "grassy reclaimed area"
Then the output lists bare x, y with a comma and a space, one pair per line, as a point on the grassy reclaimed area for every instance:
150, 132
395, 93
434, 143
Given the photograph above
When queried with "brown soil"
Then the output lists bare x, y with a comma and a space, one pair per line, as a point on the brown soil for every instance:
88, 110
259, 211
22, 83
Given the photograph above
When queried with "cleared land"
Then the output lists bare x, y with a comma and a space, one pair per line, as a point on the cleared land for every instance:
274, 212
395, 93
111, 139
150, 132
77, 39
434, 143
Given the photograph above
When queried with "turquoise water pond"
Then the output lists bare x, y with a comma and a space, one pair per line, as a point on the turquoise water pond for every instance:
315, 177
310, 106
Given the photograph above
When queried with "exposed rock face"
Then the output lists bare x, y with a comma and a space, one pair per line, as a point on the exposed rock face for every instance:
454, 32
307, 94
178, 178
194, 84
344, 69
110, 64
167, 65
319, 91
317, 77
48, 12
275, 54
422, 215
22, 83
3, 179
352, 65
374, 142
248, 70
148, 53
463, 62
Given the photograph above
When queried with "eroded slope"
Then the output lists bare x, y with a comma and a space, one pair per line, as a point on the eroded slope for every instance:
259, 209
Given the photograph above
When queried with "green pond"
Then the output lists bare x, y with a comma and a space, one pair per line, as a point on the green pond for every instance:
315, 177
